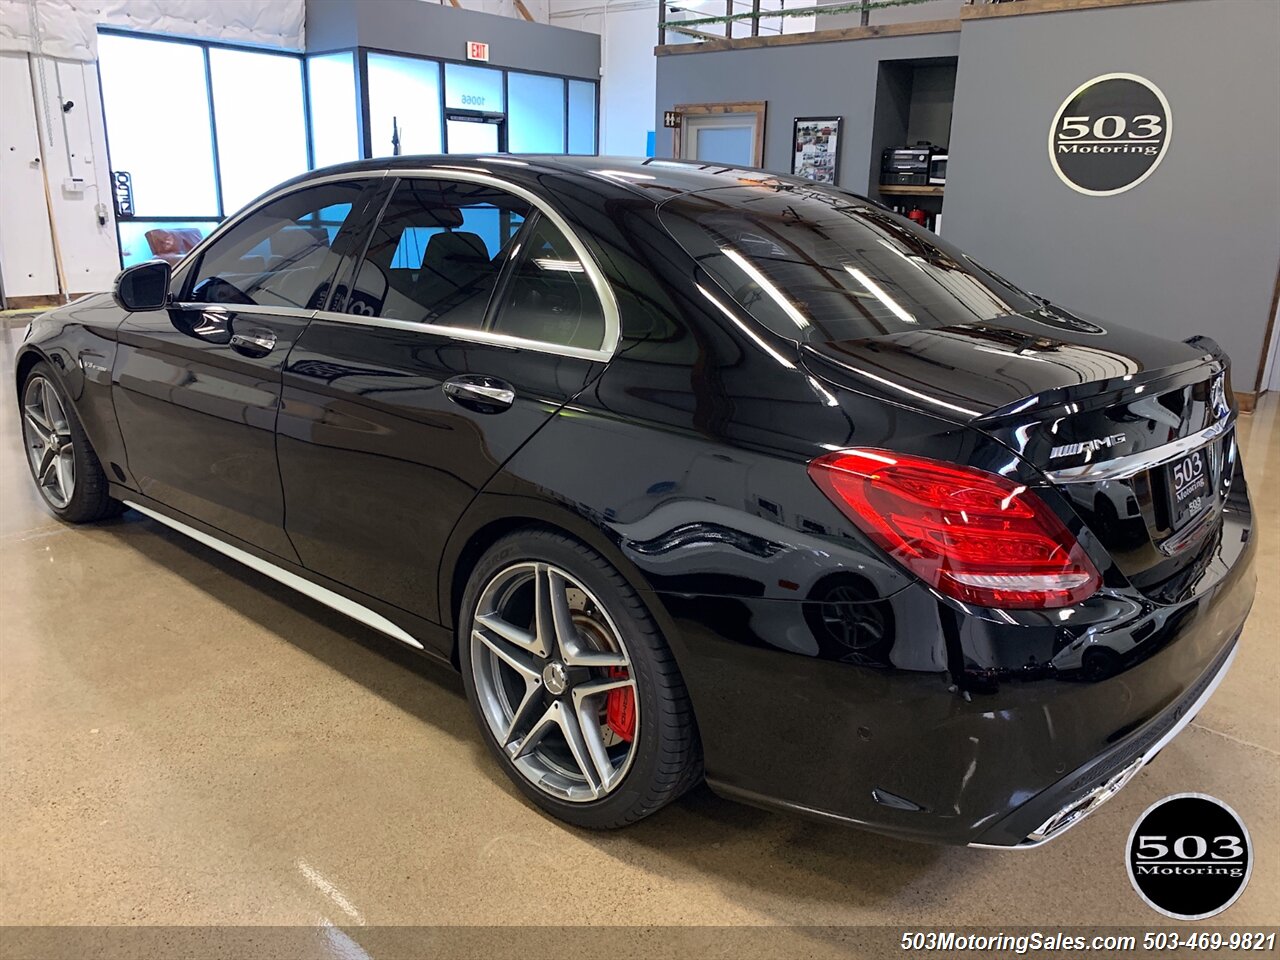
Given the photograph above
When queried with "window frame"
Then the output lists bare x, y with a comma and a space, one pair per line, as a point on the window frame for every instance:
604, 292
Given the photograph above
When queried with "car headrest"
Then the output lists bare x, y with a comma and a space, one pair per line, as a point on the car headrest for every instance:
454, 248
448, 217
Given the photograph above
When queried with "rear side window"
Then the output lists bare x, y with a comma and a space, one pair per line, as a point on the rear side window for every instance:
281, 255
817, 264
549, 296
436, 253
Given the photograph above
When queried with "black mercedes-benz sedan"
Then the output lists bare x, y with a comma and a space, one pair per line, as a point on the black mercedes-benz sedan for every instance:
692, 472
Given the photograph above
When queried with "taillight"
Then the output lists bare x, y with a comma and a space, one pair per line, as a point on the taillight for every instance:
972, 535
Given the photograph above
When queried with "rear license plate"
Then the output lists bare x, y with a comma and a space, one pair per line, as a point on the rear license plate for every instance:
1189, 488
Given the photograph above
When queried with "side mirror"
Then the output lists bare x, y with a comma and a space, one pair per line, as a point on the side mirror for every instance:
144, 286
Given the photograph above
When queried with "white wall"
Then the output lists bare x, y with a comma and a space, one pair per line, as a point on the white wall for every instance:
628, 30
26, 255
67, 28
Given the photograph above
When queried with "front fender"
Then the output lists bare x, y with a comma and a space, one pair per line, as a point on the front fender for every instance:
78, 342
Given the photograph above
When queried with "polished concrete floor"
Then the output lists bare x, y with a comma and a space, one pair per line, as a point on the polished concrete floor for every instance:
184, 742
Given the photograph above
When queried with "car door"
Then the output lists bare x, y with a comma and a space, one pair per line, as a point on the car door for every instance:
471, 319
197, 386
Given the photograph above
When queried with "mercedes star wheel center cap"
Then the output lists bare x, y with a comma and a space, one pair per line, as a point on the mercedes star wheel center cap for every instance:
555, 677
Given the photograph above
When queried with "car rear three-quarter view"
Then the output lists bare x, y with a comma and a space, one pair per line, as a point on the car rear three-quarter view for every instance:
692, 472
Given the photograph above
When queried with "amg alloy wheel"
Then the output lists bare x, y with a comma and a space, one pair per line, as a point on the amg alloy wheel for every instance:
575, 689
63, 464
46, 432
554, 681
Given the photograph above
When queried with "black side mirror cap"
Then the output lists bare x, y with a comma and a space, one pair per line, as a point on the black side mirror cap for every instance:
144, 286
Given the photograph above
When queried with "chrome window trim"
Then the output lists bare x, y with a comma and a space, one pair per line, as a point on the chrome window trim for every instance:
228, 309
1122, 468
608, 302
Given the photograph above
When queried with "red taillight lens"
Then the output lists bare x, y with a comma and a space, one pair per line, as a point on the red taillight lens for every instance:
974, 536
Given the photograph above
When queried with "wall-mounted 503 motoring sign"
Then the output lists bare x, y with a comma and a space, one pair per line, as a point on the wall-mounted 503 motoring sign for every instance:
1110, 134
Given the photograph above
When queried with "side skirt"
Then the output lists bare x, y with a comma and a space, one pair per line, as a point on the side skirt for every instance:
438, 640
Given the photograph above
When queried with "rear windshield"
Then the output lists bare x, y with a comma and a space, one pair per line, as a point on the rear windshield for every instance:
817, 265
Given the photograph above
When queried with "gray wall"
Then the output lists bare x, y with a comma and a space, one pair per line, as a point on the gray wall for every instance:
1194, 248
433, 30
932, 93
804, 80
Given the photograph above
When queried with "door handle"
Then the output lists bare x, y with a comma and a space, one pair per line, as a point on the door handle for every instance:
482, 394
256, 344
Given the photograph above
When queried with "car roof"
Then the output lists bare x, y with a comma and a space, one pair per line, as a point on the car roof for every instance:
655, 178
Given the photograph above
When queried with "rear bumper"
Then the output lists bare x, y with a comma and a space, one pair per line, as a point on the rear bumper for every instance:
949, 728
1075, 797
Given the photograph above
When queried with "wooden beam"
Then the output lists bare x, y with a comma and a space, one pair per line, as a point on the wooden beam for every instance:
817, 36
701, 35
981, 11
524, 11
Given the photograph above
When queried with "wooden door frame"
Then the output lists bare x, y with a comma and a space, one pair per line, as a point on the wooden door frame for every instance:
711, 109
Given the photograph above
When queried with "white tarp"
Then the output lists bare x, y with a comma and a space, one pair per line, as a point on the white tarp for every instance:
66, 29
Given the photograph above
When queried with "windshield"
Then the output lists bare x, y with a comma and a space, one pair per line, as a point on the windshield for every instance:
818, 265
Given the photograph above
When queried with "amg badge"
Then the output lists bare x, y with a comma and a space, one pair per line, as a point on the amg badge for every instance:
1086, 446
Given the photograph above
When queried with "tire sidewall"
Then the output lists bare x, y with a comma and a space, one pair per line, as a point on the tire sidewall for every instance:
585, 565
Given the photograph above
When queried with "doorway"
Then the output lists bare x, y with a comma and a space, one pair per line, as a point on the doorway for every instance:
471, 133
729, 133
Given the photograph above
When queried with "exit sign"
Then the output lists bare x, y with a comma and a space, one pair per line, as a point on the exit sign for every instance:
477, 50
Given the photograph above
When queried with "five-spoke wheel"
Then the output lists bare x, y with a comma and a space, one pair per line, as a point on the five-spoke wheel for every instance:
47, 434
554, 681
572, 683
65, 468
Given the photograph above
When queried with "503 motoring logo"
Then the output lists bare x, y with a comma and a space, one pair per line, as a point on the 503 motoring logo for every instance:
1110, 134
1189, 856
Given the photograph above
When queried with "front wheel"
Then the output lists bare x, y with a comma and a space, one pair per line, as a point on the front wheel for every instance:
65, 468
572, 684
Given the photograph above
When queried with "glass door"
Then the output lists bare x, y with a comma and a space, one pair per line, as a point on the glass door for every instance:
467, 134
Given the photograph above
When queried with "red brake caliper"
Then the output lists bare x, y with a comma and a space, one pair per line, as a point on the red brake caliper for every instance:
620, 707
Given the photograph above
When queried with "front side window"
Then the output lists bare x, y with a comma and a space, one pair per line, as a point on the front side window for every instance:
437, 252
281, 255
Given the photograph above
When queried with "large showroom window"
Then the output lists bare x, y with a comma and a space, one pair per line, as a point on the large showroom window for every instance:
254, 155
582, 116
167, 184
537, 114
473, 88
404, 105
335, 118
220, 142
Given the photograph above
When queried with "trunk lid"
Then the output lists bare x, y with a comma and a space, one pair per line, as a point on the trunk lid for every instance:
1135, 431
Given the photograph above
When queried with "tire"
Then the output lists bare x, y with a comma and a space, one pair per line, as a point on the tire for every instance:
662, 759
52, 434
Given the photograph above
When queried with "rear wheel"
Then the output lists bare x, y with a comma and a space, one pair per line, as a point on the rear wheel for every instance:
66, 470
572, 685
